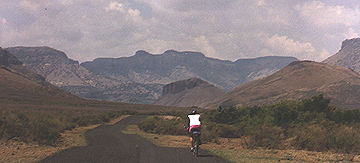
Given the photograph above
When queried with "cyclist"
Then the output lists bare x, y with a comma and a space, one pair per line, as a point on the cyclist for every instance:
195, 125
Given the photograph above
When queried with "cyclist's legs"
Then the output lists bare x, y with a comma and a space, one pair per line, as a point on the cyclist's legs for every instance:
193, 128
191, 142
192, 136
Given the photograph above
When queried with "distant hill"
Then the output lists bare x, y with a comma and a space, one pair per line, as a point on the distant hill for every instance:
298, 80
187, 93
173, 66
21, 86
348, 56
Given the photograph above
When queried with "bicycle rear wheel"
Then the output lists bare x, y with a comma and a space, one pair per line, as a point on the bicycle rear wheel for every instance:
196, 147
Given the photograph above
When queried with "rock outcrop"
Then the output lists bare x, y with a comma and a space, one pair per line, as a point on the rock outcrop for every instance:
348, 56
21, 86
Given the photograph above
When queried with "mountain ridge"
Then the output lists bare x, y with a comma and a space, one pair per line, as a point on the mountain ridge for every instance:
140, 77
298, 80
172, 66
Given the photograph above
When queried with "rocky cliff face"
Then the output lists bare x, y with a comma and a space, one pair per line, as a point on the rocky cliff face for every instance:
11, 63
187, 93
54, 65
69, 75
348, 56
21, 86
7, 59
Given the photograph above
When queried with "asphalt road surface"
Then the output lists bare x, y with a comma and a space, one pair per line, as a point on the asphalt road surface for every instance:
109, 144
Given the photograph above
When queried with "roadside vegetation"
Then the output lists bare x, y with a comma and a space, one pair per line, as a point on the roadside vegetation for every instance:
231, 150
311, 124
44, 127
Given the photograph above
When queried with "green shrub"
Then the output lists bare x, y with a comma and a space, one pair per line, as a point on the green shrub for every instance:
161, 126
148, 125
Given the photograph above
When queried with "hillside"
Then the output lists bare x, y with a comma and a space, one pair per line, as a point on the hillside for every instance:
21, 86
57, 68
173, 66
187, 93
70, 76
348, 56
298, 80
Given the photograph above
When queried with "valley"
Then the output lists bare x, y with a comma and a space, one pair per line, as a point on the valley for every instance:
50, 103
141, 81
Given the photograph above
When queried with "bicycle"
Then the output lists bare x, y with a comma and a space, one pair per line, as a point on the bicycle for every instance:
196, 140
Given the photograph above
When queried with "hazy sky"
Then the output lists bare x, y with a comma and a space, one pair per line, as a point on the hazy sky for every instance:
225, 29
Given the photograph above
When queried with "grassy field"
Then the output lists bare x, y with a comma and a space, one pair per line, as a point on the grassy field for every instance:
231, 150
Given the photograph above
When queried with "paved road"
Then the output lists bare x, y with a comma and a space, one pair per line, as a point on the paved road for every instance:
109, 144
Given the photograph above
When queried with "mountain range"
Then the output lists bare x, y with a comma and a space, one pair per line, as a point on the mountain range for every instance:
140, 78
172, 66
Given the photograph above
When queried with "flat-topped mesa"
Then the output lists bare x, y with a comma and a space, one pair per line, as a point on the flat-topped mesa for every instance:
189, 92
183, 53
182, 85
142, 53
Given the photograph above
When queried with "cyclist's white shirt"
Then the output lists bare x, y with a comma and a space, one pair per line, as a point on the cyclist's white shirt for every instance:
194, 119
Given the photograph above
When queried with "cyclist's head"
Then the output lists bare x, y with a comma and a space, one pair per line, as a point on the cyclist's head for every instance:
194, 112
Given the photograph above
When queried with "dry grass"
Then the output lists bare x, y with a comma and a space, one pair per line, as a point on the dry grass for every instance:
116, 120
231, 149
15, 151
168, 117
